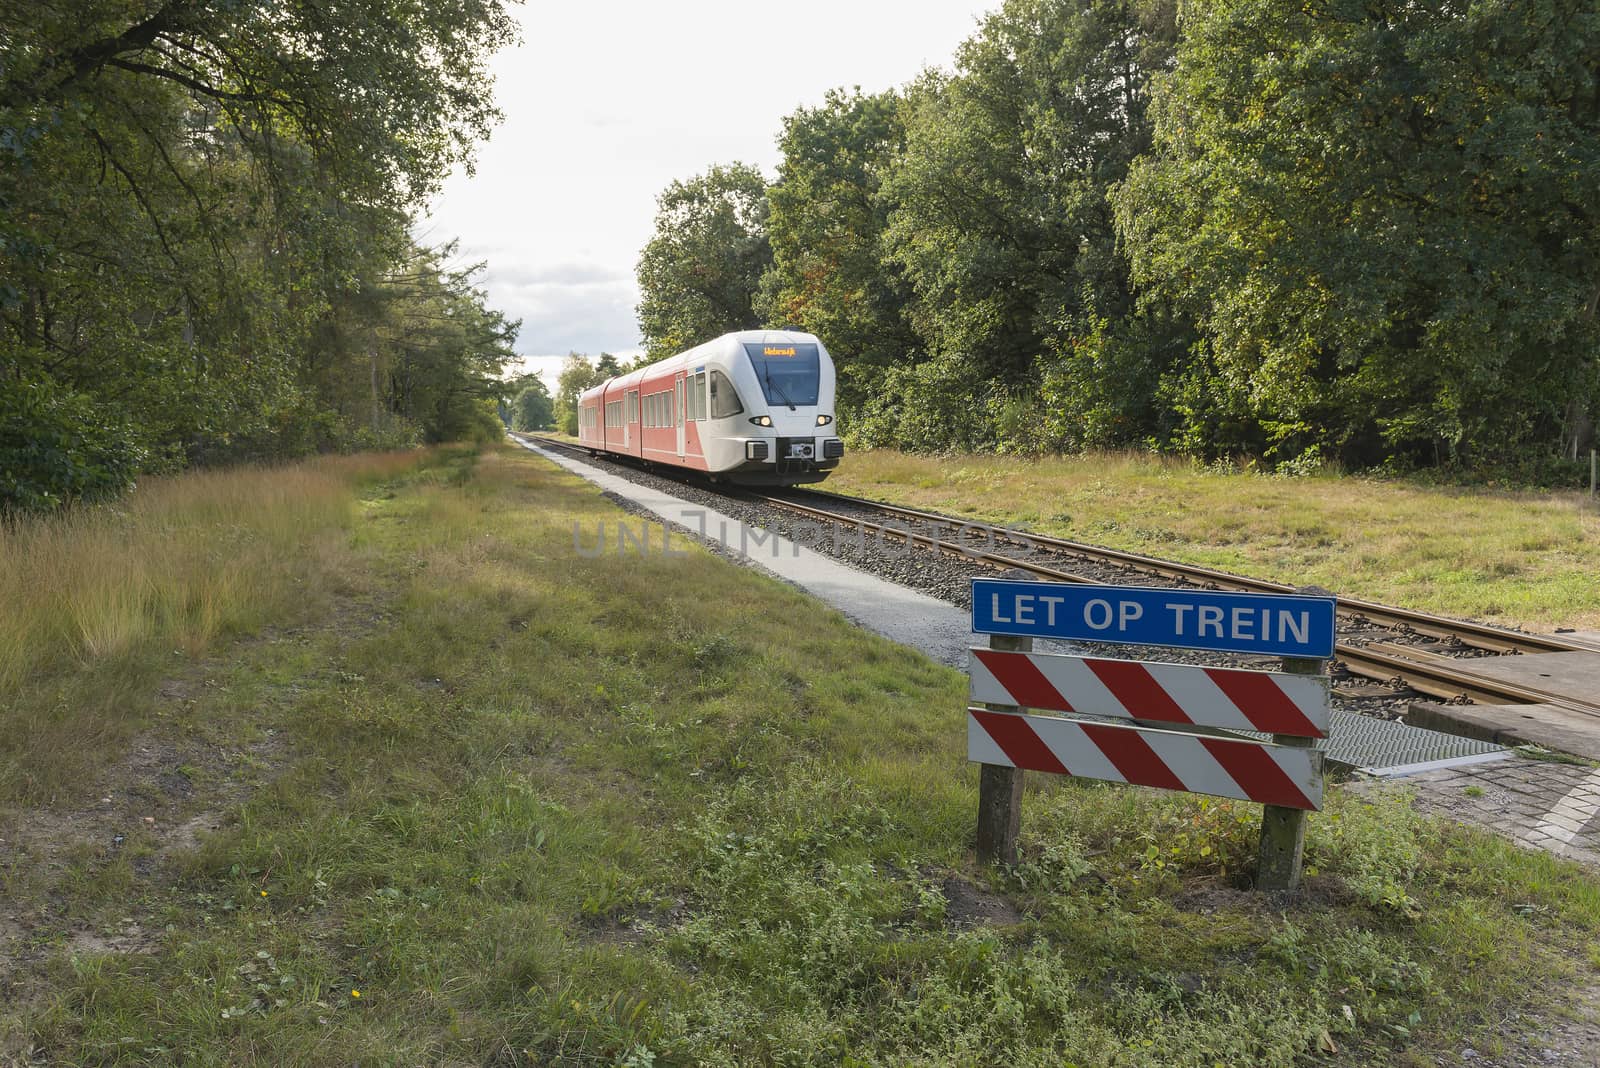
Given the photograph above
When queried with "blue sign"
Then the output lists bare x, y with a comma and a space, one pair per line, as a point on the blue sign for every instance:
1272, 624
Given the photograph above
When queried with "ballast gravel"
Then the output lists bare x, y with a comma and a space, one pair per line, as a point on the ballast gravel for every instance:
947, 576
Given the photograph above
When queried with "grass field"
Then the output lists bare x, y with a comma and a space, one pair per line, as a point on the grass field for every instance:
99, 601
480, 800
1521, 558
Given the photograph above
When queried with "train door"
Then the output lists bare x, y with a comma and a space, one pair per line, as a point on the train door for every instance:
678, 410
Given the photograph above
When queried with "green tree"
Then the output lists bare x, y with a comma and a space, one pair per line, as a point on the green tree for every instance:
533, 408
699, 274
1000, 216
58, 448
829, 273
197, 228
442, 349
418, 71
1385, 218
577, 375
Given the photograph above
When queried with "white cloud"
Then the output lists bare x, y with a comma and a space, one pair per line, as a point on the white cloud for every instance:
607, 103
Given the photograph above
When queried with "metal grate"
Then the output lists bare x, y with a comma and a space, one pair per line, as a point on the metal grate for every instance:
1388, 748
1385, 747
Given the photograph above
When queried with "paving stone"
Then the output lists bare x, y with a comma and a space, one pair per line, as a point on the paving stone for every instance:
1521, 786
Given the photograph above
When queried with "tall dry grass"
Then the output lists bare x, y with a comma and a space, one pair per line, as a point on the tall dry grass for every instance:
179, 561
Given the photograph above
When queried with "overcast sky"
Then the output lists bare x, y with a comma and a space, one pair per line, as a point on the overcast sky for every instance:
607, 103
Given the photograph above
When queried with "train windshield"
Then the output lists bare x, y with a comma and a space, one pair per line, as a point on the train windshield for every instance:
790, 373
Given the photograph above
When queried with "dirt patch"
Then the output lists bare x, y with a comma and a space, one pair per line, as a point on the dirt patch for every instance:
186, 835
632, 929
1566, 1038
145, 810
970, 905
1219, 894
130, 937
1206, 896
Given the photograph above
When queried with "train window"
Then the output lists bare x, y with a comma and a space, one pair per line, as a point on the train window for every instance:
633, 405
789, 372
724, 398
697, 398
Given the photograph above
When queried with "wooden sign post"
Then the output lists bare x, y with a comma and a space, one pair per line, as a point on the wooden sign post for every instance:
1283, 830
1146, 723
1000, 786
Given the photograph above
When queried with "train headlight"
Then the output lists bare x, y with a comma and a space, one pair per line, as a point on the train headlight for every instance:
824, 420
761, 420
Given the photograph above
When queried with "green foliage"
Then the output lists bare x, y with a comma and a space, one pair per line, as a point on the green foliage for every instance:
828, 214
1000, 217
699, 273
1376, 848
1361, 234
201, 234
532, 408
1383, 218
55, 449
577, 375
939, 403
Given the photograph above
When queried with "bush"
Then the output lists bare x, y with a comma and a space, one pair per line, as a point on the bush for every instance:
56, 448
934, 405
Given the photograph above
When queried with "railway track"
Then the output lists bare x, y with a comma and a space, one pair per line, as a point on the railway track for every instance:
1420, 669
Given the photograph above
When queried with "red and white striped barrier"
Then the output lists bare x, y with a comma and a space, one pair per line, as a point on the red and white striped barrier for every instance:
1143, 756
1180, 694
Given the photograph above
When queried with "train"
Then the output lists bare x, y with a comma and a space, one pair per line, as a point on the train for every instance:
754, 407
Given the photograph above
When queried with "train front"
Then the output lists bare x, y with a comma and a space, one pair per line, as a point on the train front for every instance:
787, 431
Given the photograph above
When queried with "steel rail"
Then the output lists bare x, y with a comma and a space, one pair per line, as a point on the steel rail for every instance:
1422, 671
1530, 694
1476, 635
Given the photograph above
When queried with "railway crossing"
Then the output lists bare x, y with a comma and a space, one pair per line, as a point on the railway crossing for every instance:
1516, 792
